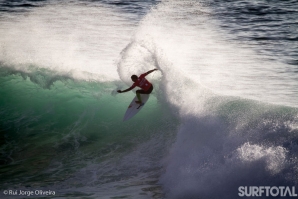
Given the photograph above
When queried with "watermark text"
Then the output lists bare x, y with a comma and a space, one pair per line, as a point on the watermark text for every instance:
20, 192
268, 191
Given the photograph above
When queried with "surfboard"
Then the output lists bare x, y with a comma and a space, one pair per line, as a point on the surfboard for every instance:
134, 108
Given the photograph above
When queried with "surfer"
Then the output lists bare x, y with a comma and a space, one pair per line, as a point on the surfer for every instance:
143, 83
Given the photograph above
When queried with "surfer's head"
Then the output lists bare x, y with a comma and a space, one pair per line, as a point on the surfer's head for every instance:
134, 78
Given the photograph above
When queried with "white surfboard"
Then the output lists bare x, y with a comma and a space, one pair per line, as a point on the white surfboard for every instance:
134, 108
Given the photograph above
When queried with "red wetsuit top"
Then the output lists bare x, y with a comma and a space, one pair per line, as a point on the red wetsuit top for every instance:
142, 82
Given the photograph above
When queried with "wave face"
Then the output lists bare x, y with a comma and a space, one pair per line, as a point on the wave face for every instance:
222, 115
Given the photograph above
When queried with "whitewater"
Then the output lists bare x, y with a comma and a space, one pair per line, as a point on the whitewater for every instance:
223, 113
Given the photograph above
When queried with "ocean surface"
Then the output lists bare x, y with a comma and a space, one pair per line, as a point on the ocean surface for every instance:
223, 113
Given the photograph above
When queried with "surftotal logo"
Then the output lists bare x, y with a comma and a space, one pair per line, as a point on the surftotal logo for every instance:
257, 191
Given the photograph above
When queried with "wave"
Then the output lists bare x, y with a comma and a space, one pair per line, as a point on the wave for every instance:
60, 121
57, 126
223, 142
241, 143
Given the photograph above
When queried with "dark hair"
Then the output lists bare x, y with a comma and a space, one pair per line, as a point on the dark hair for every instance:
134, 77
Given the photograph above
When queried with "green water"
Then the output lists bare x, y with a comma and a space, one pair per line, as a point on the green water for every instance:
45, 122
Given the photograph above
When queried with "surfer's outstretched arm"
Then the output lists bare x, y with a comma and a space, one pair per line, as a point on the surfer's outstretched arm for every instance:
150, 71
129, 89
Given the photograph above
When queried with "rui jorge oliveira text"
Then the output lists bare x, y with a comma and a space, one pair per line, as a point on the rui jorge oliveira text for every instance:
29, 193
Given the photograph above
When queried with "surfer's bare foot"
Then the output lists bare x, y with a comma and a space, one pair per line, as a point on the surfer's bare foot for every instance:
138, 102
